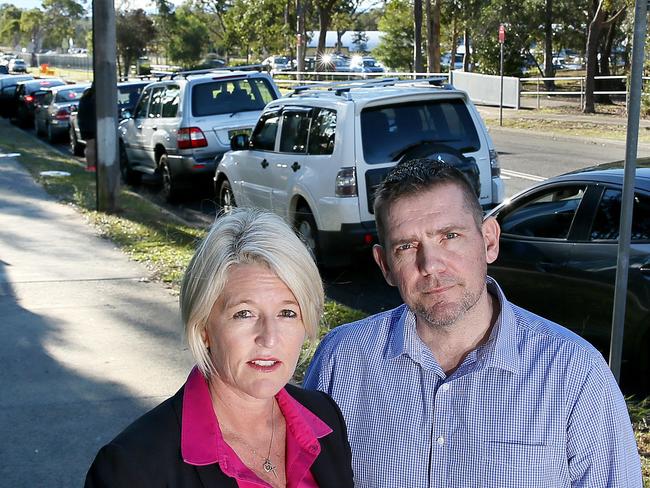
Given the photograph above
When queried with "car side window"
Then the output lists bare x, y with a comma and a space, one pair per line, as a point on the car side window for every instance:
322, 133
47, 98
548, 214
156, 102
608, 217
263, 137
170, 101
141, 108
295, 129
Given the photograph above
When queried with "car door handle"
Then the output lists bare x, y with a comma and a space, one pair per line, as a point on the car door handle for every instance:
645, 269
138, 127
295, 166
154, 128
264, 163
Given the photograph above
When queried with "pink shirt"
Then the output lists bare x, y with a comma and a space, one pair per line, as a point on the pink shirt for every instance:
202, 442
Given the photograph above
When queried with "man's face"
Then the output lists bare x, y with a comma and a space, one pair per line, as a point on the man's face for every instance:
436, 255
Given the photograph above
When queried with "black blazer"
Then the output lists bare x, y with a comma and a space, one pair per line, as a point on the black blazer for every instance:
148, 452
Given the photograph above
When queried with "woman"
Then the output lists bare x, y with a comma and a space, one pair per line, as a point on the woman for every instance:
250, 296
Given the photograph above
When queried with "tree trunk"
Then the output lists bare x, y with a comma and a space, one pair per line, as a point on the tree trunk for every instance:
300, 42
467, 59
429, 22
417, 36
433, 36
549, 70
593, 38
604, 66
454, 44
324, 23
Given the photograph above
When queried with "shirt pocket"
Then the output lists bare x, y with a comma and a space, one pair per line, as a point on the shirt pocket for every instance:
509, 465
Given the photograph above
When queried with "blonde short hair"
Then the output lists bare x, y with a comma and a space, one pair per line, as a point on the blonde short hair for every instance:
246, 236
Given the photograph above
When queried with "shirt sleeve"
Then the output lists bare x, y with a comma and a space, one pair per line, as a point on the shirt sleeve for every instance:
601, 448
319, 372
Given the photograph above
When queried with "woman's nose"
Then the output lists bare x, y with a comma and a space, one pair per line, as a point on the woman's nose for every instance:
268, 332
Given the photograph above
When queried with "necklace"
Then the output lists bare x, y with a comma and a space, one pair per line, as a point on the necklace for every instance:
267, 464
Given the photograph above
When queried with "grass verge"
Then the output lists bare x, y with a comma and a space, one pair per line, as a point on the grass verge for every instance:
165, 244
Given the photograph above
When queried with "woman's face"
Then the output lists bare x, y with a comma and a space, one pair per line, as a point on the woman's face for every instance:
254, 333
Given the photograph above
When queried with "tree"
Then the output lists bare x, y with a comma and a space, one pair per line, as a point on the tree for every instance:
396, 46
417, 36
187, 37
60, 19
433, 36
10, 24
604, 15
135, 31
32, 26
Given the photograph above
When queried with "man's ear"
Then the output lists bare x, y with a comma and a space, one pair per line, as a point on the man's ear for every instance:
380, 258
491, 233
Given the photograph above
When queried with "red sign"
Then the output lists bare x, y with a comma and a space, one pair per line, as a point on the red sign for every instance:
502, 34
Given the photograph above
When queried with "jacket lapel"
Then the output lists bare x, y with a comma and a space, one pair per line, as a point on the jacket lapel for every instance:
212, 477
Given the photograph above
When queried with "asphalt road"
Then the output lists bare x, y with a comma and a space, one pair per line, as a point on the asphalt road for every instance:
526, 158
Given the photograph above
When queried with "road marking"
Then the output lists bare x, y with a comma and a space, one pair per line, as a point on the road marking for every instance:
525, 176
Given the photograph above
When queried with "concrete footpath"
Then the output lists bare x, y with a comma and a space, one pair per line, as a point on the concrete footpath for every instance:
87, 343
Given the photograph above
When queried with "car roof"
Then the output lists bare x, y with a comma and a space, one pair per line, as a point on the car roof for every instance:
134, 83
69, 87
612, 172
42, 81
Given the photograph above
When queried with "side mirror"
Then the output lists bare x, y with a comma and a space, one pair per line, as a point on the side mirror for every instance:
125, 113
239, 142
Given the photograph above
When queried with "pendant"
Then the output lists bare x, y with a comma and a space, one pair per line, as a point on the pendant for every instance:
269, 466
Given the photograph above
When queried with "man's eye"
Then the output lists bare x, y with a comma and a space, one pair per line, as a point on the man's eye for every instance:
242, 314
405, 246
451, 235
287, 313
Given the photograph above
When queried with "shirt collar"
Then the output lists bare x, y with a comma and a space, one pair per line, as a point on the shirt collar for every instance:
500, 351
202, 442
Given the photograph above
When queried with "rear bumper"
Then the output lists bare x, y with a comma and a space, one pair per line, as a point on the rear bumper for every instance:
340, 246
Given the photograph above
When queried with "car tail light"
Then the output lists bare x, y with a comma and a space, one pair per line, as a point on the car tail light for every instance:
346, 183
29, 98
495, 165
190, 138
62, 114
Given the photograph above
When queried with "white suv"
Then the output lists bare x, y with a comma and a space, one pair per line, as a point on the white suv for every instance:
316, 156
181, 125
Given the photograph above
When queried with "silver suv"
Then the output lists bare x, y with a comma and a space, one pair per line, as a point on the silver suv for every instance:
182, 125
316, 156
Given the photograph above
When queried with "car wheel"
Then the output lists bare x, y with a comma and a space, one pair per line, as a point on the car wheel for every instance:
39, 130
75, 148
129, 176
307, 230
169, 190
226, 198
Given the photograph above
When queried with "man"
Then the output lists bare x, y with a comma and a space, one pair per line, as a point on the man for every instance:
87, 125
458, 387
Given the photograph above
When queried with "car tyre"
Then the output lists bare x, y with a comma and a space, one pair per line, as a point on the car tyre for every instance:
306, 228
170, 191
51, 136
226, 197
39, 130
75, 147
129, 176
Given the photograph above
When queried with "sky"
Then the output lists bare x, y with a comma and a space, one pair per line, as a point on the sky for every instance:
145, 4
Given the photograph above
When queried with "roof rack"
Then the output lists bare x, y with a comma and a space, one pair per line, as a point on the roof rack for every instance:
340, 87
194, 72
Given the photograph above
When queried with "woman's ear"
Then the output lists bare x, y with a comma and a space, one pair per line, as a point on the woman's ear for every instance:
491, 233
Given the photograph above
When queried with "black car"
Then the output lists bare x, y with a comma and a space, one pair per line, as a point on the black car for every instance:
558, 255
25, 98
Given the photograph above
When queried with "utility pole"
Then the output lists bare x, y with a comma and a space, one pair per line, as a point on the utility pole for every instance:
105, 79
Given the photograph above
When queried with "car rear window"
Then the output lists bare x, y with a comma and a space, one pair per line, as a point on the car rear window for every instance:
389, 131
127, 95
231, 96
33, 86
71, 95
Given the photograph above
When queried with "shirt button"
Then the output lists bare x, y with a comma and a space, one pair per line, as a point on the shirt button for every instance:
445, 387
440, 440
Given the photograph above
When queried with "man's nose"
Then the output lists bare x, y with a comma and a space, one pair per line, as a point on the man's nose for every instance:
431, 261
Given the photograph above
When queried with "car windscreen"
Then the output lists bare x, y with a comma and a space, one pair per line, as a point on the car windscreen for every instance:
127, 95
37, 85
71, 95
389, 131
231, 96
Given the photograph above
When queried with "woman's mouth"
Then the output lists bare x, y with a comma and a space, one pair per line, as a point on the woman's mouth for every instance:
265, 365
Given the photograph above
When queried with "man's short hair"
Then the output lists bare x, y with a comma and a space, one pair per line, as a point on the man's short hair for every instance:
418, 175
247, 236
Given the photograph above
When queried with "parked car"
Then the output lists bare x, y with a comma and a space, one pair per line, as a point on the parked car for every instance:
365, 64
128, 93
27, 94
315, 157
559, 243
278, 63
7, 92
17, 65
52, 112
445, 61
181, 125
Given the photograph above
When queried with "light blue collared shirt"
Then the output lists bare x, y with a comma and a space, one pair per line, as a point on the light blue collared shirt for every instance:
535, 406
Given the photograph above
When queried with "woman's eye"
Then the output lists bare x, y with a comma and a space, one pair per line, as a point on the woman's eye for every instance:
242, 314
287, 313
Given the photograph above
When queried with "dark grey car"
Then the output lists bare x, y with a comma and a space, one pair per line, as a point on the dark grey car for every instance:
52, 113
559, 243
